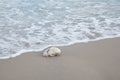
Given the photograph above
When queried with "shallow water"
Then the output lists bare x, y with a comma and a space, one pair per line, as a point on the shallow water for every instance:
32, 25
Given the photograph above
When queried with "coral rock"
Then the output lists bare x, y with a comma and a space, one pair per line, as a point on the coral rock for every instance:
52, 51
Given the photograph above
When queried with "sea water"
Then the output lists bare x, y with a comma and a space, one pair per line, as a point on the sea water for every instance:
33, 25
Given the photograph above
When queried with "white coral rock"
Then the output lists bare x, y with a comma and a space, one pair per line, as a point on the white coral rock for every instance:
52, 51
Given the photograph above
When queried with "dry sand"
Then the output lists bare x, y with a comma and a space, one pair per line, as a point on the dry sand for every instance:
99, 60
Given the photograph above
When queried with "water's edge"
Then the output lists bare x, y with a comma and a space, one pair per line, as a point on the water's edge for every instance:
69, 44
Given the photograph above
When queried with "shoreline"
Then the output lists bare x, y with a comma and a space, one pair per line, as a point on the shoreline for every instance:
97, 60
62, 45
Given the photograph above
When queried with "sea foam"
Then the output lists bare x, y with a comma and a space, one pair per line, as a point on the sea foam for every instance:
33, 25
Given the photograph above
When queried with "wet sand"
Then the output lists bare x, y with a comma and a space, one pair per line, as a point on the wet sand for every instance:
98, 60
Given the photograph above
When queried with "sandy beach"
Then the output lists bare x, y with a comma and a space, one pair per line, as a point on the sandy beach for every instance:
98, 60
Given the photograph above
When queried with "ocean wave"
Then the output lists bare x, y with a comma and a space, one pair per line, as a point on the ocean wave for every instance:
28, 25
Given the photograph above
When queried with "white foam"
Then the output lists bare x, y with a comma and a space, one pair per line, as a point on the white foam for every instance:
35, 25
